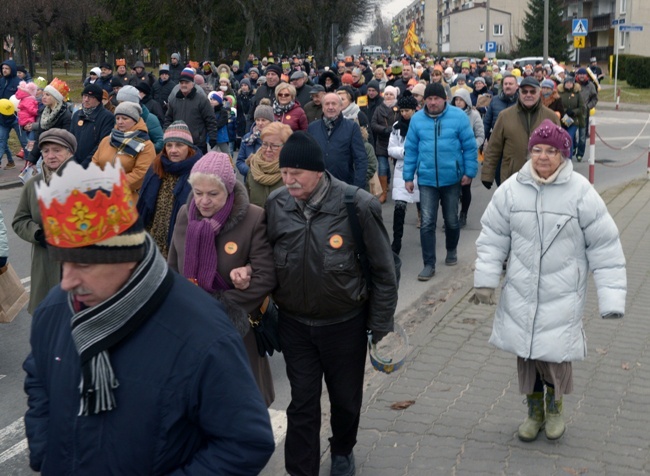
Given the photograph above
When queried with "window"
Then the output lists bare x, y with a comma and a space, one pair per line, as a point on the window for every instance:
482, 27
621, 40
498, 30
623, 6
480, 46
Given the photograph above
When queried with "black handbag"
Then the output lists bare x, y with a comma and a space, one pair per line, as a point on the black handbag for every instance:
265, 328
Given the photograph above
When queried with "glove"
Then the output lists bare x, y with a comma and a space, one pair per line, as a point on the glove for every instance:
487, 184
613, 315
483, 296
377, 336
40, 237
213, 143
3, 261
570, 113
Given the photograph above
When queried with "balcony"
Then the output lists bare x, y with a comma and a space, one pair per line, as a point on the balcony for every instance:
601, 22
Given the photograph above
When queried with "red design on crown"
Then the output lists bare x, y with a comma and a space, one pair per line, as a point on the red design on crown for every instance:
74, 219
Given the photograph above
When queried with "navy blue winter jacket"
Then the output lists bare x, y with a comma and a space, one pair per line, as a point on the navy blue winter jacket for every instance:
343, 151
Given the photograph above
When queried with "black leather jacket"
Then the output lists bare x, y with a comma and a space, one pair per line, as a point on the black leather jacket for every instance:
320, 280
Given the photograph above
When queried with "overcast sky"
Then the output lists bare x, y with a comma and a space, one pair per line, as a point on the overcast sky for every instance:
388, 11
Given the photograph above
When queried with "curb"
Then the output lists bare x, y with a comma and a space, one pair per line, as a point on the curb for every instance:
10, 185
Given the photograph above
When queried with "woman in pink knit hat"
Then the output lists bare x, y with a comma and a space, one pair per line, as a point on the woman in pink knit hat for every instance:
219, 243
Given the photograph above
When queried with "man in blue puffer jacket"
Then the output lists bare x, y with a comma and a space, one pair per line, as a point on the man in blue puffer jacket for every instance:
441, 148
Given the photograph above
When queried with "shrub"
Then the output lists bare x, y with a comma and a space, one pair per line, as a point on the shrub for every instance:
637, 72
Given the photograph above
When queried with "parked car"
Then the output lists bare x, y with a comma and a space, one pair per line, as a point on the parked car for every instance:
504, 64
532, 60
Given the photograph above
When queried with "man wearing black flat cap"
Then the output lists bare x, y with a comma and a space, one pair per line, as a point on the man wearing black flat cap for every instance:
509, 139
91, 123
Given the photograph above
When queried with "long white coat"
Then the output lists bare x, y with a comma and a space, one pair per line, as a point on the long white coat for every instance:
555, 234
396, 151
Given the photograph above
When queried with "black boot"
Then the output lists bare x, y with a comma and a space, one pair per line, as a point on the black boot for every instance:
399, 213
462, 219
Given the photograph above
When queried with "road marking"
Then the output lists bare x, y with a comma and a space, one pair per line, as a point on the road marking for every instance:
15, 450
17, 428
279, 424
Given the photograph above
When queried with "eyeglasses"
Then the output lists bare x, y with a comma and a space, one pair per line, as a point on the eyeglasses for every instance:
284, 95
272, 147
537, 152
528, 92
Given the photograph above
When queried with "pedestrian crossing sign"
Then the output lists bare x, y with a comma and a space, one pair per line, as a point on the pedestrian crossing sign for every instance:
579, 27
578, 42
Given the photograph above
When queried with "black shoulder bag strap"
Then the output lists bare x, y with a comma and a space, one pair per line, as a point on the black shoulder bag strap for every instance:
360, 246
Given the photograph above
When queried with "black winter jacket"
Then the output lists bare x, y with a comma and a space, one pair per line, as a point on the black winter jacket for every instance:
320, 279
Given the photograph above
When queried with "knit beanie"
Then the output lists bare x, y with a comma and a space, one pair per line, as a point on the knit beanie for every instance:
143, 87
219, 165
254, 70
461, 77
550, 134
352, 95
116, 82
216, 96
301, 151
176, 56
418, 89
187, 75
265, 111
407, 102
347, 79
548, 83
94, 91
392, 89
129, 109
178, 132
435, 89
128, 94
247, 82
373, 84
274, 68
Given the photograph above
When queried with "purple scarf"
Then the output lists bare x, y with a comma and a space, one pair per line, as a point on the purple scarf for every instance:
200, 250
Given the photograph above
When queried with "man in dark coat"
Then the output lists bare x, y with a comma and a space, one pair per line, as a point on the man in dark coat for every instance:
266, 90
195, 110
162, 88
175, 67
9, 82
315, 259
90, 124
145, 98
341, 142
303, 90
104, 80
116, 383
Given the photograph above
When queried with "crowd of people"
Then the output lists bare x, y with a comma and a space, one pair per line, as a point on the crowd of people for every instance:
236, 179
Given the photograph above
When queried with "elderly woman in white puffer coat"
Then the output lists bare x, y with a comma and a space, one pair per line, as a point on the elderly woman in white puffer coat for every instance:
556, 229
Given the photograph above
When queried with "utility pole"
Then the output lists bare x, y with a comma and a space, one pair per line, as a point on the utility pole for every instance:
545, 51
487, 21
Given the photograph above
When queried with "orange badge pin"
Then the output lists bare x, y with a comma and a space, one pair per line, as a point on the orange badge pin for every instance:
230, 248
80, 123
336, 241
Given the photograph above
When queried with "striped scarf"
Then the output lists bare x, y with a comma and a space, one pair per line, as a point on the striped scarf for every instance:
98, 328
128, 143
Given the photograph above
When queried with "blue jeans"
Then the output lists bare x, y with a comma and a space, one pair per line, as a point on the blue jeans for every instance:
571, 130
4, 140
383, 168
430, 198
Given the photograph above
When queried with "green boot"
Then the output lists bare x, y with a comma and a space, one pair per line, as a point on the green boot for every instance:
555, 426
529, 429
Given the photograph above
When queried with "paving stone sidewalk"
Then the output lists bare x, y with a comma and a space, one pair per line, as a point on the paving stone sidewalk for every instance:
467, 406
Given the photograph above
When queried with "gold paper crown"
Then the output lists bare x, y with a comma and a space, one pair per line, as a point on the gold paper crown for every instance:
84, 207
120, 62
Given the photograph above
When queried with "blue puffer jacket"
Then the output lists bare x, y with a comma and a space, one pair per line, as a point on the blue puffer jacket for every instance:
440, 149
343, 151
154, 127
187, 402
9, 84
247, 149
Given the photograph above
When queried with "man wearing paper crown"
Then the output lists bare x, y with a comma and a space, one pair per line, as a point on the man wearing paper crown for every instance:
133, 369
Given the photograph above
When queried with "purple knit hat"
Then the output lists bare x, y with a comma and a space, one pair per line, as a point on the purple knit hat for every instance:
217, 163
550, 134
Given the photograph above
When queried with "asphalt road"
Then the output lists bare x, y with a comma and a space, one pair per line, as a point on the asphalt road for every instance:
613, 167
